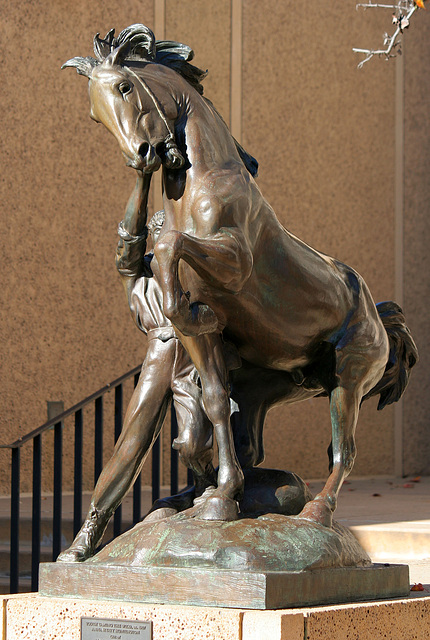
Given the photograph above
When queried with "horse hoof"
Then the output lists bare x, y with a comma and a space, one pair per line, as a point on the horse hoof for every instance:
160, 514
198, 319
317, 511
218, 508
206, 317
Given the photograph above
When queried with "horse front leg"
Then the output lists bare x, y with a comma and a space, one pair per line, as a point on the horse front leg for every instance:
206, 352
223, 260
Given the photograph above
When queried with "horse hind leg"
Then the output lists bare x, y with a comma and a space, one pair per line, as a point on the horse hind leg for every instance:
356, 372
344, 406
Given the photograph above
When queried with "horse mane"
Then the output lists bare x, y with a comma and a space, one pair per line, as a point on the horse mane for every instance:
137, 43
176, 56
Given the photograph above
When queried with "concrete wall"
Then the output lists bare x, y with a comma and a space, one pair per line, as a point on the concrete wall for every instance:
328, 139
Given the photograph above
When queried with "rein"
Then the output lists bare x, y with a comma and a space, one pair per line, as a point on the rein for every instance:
171, 136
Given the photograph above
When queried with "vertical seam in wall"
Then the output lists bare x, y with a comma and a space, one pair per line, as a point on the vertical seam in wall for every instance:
236, 70
398, 235
4, 630
241, 616
305, 627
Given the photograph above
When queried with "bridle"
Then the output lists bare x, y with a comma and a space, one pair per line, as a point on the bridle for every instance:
169, 141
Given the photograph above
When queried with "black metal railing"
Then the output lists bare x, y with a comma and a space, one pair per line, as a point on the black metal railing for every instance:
64, 428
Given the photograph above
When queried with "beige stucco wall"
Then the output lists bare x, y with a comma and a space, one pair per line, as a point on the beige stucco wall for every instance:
324, 134
65, 326
416, 254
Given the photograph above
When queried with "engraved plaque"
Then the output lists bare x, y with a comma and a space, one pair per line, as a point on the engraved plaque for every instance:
106, 629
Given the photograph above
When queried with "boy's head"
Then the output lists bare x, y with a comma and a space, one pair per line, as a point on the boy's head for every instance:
155, 225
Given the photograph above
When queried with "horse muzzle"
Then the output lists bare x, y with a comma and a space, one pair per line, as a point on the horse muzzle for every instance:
145, 159
150, 157
150, 161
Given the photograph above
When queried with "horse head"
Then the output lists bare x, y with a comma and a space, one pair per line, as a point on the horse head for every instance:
124, 102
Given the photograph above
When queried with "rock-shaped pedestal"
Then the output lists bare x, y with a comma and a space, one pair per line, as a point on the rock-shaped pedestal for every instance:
273, 561
272, 542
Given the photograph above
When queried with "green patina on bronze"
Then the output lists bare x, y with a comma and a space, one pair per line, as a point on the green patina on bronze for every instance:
268, 543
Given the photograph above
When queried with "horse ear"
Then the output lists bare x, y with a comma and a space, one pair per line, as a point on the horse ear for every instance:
118, 55
84, 66
102, 48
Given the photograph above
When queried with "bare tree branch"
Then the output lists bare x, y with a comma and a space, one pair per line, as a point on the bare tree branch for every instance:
403, 10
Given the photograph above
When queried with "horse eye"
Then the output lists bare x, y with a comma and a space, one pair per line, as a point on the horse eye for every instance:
125, 87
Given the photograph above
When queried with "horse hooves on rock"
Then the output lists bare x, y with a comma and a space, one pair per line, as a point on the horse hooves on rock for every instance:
317, 511
218, 508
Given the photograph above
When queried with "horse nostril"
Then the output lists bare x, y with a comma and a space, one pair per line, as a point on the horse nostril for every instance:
143, 149
159, 149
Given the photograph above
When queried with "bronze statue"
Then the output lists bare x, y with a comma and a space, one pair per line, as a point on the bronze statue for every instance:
229, 270
169, 375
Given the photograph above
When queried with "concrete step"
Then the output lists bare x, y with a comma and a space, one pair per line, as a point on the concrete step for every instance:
395, 540
24, 584
25, 512
25, 547
24, 559
25, 531
400, 542
25, 550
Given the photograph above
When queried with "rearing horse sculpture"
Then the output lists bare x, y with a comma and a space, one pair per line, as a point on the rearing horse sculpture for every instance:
227, 264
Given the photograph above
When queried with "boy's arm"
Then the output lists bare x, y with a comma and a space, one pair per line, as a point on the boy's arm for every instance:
132, 231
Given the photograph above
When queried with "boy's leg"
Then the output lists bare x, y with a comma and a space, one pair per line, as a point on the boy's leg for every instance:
195, 434
194, 441
142, 423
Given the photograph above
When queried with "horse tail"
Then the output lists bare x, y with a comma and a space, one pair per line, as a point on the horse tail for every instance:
403, 355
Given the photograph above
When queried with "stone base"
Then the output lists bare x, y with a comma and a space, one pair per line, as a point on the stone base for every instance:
32, 617
226, 588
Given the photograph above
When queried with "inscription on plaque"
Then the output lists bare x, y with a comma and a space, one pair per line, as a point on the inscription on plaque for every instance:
105, 629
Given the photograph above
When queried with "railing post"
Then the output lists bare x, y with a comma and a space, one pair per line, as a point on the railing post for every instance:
117, 519
173, 452
14, 522
58, 490
98, 438
36, 511
35, 435
77, 484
